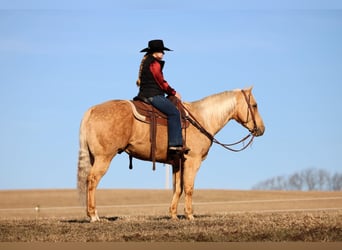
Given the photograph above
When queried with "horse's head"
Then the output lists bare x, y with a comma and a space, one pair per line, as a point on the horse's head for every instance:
247, 113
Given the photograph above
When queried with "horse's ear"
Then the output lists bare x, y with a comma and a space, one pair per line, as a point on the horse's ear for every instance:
250, 88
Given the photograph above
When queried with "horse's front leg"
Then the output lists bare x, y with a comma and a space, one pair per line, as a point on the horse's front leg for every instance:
177, 189
98, 170
189, 175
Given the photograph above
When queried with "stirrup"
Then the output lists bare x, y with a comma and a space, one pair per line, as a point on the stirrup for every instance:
179, 150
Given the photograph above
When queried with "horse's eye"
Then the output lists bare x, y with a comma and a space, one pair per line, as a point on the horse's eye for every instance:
255, 105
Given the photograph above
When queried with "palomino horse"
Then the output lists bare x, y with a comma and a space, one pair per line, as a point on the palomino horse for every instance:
110, 128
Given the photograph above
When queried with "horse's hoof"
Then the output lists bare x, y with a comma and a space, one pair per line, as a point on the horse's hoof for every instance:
174, 217
190, 217
94, 218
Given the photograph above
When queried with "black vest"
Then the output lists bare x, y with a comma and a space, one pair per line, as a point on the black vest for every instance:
148, 85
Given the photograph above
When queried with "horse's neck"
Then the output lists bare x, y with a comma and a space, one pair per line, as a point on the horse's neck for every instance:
215, 111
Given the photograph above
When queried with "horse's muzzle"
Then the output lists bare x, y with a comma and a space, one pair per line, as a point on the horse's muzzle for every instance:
259, 131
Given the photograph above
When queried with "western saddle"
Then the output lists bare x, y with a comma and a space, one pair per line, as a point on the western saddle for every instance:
145, 112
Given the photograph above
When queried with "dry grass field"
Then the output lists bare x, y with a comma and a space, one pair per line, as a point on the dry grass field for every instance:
142, 215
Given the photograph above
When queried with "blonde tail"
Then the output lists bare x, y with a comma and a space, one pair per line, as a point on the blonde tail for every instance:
84, 161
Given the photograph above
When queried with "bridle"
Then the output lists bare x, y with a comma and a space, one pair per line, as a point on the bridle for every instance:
250, 109
196, 124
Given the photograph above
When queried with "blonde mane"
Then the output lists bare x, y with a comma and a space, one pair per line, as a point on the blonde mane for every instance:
216, 108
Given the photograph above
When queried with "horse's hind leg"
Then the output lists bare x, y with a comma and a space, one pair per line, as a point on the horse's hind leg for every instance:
177, 189
99, 168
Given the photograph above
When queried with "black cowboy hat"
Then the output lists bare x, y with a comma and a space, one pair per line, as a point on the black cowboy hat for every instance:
155, 46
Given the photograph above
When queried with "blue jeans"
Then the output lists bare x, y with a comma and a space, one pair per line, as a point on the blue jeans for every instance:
174, 123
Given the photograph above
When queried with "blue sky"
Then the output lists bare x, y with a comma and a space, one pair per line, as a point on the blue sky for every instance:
58, 59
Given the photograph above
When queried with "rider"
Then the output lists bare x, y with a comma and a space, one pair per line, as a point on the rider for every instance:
153, 86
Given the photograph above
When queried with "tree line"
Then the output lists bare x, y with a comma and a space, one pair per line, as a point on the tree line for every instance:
306, 180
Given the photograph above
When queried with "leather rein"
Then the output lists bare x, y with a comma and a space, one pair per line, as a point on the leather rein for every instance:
197, 125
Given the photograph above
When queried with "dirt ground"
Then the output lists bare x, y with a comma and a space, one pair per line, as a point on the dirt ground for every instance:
142, 216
